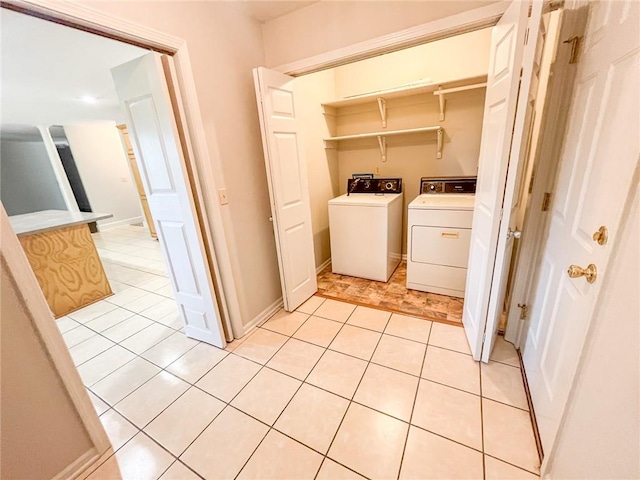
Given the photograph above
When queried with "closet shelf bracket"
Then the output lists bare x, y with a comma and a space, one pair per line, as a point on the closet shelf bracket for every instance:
382, 106
439, 147
382, 142
441, 100
440, 92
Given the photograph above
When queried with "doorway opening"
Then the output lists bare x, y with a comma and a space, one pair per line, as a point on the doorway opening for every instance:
431, 96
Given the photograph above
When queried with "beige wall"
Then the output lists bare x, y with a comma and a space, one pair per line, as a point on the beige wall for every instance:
600, 435
328, 25
104, 168
40, 430
453, 58
224, 45
322, 165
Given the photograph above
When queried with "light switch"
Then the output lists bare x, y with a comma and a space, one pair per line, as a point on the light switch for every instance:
222, 196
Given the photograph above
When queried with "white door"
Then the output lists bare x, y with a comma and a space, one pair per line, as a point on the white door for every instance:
600, 152
488, 234
520, 148
288, 188
144, 97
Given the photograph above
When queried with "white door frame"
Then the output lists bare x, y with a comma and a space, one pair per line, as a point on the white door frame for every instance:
201, 160
453, 25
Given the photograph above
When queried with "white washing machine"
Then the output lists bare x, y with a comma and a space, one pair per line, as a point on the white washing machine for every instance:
365, 227
439, 235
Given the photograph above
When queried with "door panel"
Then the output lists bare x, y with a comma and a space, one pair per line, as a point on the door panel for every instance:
288, 189
499, 117
145, 100
599, 155
516, 167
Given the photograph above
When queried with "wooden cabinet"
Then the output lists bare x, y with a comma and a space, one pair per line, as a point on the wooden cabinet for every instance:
136, 175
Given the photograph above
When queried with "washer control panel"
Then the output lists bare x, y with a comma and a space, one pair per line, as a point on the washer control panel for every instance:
432, 185
374, 185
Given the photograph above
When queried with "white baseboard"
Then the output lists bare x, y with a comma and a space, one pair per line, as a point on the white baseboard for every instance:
119, 223
323, 265
404, 256
82, 466
264, 315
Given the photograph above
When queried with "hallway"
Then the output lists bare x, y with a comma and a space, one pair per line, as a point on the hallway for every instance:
318, 393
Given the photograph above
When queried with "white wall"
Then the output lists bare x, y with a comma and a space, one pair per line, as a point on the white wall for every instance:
27, 181
104, 168
310, 91
327, 25
600, 434
224, 45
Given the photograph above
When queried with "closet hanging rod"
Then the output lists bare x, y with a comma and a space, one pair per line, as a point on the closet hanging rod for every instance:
460, 89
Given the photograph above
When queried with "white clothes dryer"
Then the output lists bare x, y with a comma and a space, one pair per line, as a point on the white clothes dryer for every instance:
439, 235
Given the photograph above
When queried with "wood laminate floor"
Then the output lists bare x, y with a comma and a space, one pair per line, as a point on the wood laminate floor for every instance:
392, 295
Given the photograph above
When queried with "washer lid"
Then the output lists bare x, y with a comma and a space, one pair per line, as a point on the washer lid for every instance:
444, 201
366, 199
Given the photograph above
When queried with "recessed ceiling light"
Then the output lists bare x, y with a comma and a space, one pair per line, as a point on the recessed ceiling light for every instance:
89, 99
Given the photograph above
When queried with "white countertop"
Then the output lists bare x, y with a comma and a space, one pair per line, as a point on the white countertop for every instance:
46, 220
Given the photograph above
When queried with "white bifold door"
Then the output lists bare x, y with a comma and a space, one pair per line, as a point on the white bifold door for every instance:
288, 186
144, 96
499, 170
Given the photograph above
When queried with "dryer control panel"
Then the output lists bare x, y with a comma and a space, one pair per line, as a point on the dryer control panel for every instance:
448, 185
374, 185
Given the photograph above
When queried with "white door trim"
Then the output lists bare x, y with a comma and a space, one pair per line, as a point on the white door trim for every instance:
85, 18
465, 22
15, 261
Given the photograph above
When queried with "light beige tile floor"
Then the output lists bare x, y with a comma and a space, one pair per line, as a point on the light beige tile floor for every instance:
330, 391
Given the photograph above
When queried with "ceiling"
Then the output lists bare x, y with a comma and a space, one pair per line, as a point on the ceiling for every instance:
47, 68
266, 10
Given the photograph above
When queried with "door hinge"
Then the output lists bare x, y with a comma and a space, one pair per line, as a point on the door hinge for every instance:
575, 48
546, 200
524, 310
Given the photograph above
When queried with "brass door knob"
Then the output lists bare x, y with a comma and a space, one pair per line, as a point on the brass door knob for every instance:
601, 236
590, 273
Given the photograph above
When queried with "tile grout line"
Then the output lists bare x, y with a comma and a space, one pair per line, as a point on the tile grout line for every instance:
415, 400
395, 369
351, 401
278, 417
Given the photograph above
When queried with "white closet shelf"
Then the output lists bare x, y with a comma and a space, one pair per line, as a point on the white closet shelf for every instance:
405, 91
387, 133
381, 136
